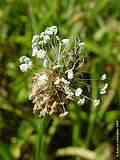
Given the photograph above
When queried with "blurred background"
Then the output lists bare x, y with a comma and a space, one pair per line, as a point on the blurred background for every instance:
88, 133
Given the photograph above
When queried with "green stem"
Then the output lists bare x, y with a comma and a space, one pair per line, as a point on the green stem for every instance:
39, 152
76, 137
31, 16
93, 108
90, 128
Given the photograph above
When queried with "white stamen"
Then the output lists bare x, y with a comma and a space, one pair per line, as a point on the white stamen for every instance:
54, 29
68, 91
45, 63
103, 90
105, 86
24, 67
51, 30
70, 74
63, 114
65, 81
65, 41
81, 101
78, 92
24, 59
81, 44
46, 38
103, 77
34, 51
96, 102
41, 54
35, 38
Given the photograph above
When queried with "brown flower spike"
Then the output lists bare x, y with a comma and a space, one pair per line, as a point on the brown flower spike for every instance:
48, 97
63, 63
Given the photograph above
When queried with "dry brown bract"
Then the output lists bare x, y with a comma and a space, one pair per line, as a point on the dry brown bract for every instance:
48, 98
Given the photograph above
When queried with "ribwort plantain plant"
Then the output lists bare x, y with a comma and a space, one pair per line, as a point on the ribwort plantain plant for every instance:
61, 79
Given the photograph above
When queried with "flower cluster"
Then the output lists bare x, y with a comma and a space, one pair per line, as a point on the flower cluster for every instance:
41, 42
61, 80
26, 63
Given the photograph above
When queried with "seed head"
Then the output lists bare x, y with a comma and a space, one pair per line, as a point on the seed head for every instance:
61, 64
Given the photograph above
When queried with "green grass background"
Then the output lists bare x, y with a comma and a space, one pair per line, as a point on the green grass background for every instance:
26, 137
